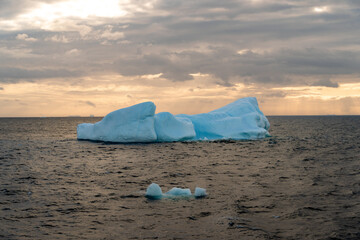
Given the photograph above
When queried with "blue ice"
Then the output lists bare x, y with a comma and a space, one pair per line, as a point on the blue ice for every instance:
154, 192
178, 192
241, 119
200, 192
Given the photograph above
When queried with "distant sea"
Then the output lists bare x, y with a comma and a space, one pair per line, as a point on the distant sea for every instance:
303, 182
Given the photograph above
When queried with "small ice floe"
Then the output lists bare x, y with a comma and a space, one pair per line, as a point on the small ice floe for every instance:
179, 192
200, 192
154, 192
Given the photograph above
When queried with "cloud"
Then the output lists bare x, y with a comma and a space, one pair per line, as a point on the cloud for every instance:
10, 8
25, 37
1, 88
325, 83
275, 94
275, 67
264, 42
58, 38
73, 52
90, 103
206, 51
110, 35
13, 75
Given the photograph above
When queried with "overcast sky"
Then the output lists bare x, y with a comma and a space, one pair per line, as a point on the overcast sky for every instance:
82, 57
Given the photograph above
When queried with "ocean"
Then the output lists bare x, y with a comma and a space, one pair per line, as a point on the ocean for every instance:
303, 182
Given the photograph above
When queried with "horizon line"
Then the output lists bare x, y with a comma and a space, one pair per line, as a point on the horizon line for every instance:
277, 115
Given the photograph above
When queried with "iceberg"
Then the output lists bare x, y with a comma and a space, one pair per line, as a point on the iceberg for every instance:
240, 120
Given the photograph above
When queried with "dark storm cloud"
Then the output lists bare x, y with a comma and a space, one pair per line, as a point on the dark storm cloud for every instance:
261, 42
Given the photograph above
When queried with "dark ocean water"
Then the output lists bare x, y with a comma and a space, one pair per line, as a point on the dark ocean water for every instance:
301, 183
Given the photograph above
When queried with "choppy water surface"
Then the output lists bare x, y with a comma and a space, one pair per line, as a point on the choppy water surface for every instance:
302, 183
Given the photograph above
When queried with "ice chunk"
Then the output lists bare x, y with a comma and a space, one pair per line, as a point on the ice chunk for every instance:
132, 124
179, 192
154, 191
170, 128
200, 192
241, 119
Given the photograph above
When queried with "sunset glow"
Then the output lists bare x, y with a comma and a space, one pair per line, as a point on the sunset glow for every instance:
76, 8
48, 15
321, 9
85, 57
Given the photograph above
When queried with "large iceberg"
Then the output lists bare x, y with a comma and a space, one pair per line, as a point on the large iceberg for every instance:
241, 119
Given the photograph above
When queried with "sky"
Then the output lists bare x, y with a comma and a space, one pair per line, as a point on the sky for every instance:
90, 57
